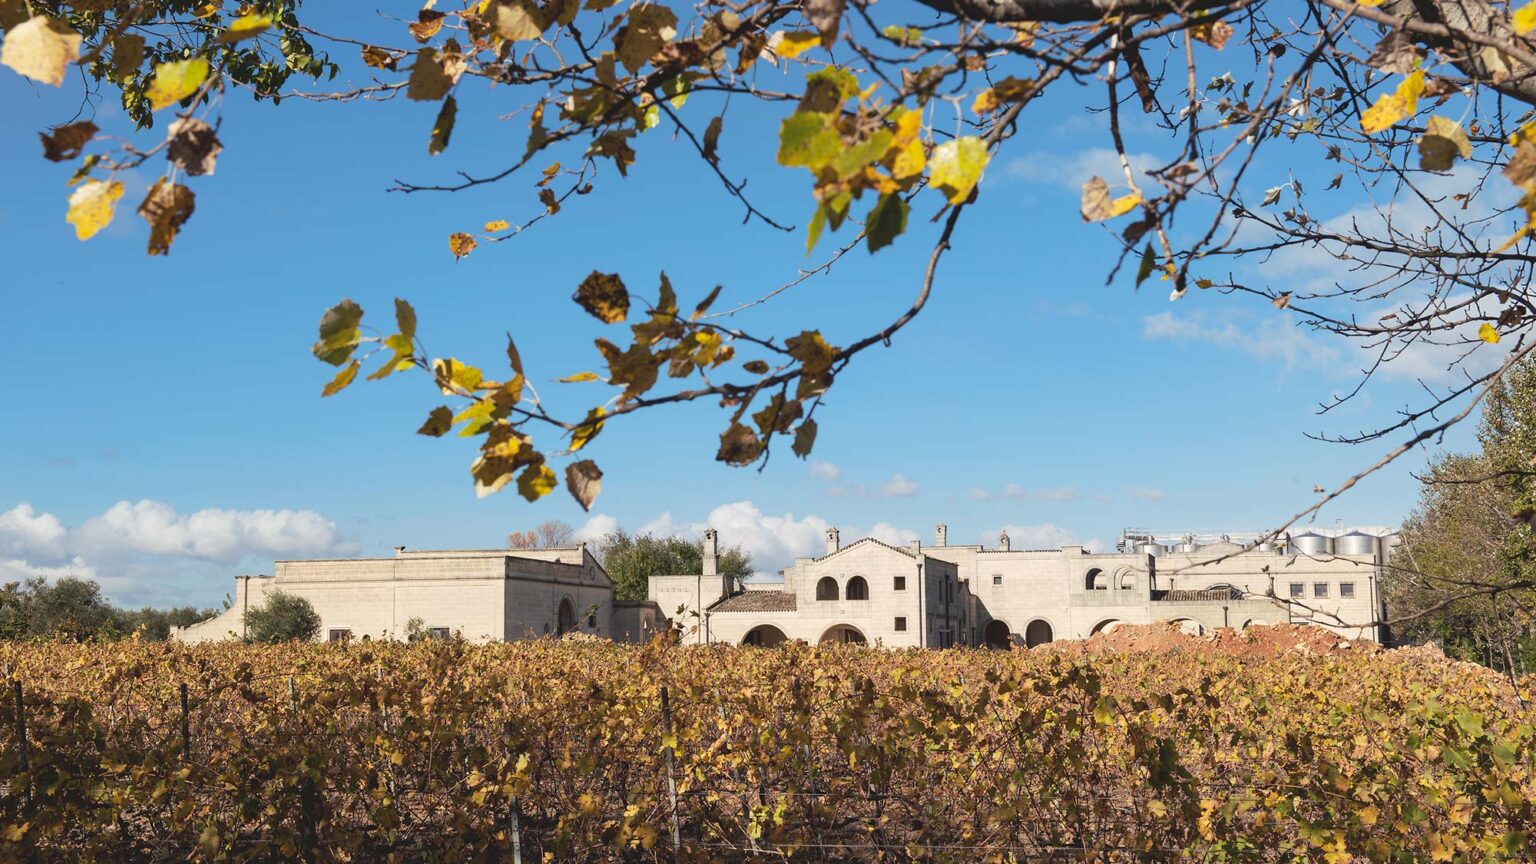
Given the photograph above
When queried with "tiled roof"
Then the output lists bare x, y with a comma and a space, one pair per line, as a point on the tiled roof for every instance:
757, 601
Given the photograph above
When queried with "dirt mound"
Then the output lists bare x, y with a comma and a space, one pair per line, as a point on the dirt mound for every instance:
1259, 640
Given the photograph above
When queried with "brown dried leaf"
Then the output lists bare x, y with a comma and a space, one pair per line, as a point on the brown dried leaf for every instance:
194, 147
603, 296
1212, 33
166, 208
428, 22
585, 480
66, 142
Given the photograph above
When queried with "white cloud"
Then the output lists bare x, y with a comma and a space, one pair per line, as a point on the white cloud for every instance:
1147, 493
885, 532
25, 533
596, 527
224, 536
1272, 340
825, 471
146, 550
898, 487
1074, 168
1063, 493
1047, 535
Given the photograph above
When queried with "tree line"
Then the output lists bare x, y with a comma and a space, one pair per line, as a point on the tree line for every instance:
74, 609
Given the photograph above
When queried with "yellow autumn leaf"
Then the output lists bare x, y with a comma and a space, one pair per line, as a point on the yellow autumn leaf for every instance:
176, 81
1525, 18
580, 377
461, 244
497, 225
1488, 334
907, 145
956, 167
794, 43
41, 48
1394, 107
1098, 206
91, 206
245, 27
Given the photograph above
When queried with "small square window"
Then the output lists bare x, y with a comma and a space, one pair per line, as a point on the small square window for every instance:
900, 584
438, 633
901, 624
1346, 589
997, 579
1319, 589
338, 634
1298, 589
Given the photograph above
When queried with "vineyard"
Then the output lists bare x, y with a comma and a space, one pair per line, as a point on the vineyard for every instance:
588, 751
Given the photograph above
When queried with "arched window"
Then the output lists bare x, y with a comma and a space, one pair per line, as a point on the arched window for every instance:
826, 588
1127, 580
1096, 580
858, 589
567, 619
1038, 633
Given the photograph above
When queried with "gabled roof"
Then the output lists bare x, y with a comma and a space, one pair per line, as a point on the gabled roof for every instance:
756, 601
857, 543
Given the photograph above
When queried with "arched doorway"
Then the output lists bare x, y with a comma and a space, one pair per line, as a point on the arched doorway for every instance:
1038, 633
1096, 580
842, 633
765, 636
857, 589
826, 588
1190, 627
566, 619
1105, 626
997, 635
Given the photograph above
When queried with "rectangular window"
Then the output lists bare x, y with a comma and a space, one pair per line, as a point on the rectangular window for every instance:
901, 623
1319, 589
592, 620
438, 633
997, 579
900, 584
1298, 589
1346, 589
339, 634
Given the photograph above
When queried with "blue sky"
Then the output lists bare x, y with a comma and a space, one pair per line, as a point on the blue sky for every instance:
164, 428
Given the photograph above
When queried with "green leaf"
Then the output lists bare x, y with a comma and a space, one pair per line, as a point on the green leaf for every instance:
405, 319
805, 438
442, 128
808, 139
956, 167
1148, 264
887, 221
339, 334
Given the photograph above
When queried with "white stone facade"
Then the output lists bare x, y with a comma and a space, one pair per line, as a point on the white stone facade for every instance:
937, 596
867, 591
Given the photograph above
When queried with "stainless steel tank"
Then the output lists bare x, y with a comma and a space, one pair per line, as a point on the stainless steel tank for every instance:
1187, 546
1311, 543
1153, 549
1355, 543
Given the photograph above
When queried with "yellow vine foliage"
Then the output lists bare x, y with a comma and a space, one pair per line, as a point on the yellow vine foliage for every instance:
437, 749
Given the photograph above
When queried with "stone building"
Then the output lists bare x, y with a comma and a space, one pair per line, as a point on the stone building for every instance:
942, 595
867, 591
488, 594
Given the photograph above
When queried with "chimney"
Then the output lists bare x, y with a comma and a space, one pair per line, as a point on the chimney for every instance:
832, 542
941, 535
399, 550
1002, 541
917, 547
711, 553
